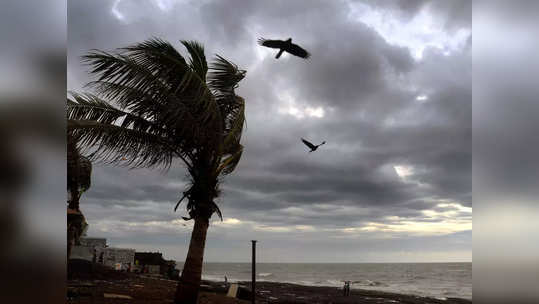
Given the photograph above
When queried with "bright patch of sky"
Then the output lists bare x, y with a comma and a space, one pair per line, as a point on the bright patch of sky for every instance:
116, 12
411, 227
422, 97
459, 207
404, 171
290, 107
227, 222
417, 34
165, 5
120, 13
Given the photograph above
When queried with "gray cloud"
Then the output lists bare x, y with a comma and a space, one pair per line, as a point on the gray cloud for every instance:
454, 14
372, 121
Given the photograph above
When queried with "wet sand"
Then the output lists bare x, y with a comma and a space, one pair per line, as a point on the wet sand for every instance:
291, 293
84, 287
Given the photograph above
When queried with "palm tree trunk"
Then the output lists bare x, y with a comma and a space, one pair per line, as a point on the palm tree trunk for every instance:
74, 200
187, 290
71, 222
70, 239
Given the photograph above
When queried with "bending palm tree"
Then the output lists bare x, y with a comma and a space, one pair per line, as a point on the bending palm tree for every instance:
168, 107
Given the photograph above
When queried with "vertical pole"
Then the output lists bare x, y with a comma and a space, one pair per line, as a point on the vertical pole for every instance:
253, 278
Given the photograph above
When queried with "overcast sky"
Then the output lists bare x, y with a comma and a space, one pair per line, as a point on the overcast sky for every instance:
388, 87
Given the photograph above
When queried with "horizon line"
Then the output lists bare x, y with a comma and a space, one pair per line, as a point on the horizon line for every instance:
249, 262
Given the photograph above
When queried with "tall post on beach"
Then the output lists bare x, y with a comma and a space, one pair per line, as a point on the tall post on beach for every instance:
253, 278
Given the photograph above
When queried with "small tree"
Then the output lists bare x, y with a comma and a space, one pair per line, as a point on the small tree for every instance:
79, 172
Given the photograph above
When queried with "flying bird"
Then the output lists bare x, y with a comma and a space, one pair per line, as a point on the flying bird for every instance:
311, 146
285, 45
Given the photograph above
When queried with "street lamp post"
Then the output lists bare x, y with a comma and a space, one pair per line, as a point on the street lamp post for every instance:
253, 278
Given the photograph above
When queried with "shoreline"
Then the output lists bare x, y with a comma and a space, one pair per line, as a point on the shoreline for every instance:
89, 283
434, 280
141, 289
279, 292
374, 288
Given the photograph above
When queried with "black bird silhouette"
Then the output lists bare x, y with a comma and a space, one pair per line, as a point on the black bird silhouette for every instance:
284, 45
311, 146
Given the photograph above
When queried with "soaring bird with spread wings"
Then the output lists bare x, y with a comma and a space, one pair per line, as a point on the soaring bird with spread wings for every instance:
311, 146
285, 45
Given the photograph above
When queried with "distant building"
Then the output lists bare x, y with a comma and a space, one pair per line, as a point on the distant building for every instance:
96, 250
119, 258
89, 248
153, 263
93, 242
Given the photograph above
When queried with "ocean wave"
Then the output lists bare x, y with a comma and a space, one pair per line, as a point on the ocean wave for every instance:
214, 278
368, 283
270, 277
374, 283
221, 278
338, 283
335, 282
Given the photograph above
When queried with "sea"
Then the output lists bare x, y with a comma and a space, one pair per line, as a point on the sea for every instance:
438, 280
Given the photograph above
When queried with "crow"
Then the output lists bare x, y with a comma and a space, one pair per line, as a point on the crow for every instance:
311, 146
287, 46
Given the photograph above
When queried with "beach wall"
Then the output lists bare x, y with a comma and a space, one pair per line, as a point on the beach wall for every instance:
82, 252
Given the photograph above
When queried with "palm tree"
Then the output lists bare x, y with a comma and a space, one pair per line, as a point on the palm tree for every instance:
79, 172
168, 107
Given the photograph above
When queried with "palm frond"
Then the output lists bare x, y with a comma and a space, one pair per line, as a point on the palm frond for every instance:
180, 201
234, 123
90, 107
198, 60
112, 143
168, 123
187, 80
217, 210
224, 76
153, 71
124, 70
155, 68
164, 61
228, 165
129, 98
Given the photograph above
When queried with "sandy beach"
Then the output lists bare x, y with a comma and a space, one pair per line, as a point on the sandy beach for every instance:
95, 284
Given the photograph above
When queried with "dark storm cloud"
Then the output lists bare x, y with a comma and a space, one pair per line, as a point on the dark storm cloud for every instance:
359, 61
366, 87
121, 184
350, 182
94, 25
226, 21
